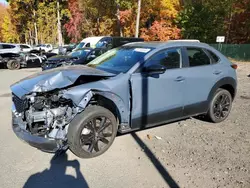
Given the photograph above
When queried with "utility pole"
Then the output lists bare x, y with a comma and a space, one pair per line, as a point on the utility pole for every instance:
138, 19
118, 19
35, 27
59, 29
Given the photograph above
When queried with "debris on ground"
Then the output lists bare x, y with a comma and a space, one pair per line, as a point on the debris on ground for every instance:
149, 136
158, 137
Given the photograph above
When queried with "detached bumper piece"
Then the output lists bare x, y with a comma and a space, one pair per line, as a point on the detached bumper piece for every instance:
41, 143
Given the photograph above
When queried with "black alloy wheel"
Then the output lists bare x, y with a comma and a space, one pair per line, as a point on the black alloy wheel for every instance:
220, 106
96, 134
92, 132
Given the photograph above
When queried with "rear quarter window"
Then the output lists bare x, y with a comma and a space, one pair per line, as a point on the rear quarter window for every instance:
197, 57
24, 46
216, 59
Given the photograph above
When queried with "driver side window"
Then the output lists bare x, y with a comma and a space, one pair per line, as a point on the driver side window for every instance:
169, 58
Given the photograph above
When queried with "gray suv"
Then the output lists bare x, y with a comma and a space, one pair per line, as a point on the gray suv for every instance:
136, 86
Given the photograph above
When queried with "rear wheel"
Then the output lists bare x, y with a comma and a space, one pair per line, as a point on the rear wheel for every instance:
92, 132
220, 106
13, 65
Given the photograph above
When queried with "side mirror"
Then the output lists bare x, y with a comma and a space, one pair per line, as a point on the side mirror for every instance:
91, 57
155, 69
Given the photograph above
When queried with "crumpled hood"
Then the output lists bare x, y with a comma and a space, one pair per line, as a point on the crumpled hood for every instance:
55, 79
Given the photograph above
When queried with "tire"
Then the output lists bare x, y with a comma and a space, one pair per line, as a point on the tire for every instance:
84, 138
220, 106
13, 65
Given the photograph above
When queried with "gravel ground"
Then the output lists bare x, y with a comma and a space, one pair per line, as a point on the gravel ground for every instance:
190, 153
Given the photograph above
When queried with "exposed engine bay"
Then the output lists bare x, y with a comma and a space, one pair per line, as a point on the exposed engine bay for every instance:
48, 115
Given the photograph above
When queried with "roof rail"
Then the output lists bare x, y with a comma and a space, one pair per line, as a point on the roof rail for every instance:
185, 40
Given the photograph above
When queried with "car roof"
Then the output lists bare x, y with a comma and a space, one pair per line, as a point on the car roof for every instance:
92, 39
170, 43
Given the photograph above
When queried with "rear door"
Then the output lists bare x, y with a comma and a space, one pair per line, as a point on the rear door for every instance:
158, 98
201, 75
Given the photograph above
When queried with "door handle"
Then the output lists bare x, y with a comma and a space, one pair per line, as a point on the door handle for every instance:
179, 79
217, 72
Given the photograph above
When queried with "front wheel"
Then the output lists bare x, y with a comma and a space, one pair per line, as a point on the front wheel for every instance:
13, 65
220, 106
92, 132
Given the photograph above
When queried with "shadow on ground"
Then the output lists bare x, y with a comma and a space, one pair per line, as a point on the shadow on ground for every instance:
55, 176
161, 169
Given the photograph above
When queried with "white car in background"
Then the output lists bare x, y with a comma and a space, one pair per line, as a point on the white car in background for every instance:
89, 42
25, 47
44, 47
9, 48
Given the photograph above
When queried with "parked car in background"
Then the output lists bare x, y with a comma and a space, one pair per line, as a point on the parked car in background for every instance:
79, 57
132, 87
44, 47
59, 50
25, 47
43, 54
89, 42
69, 47
9, 48
107, 42
114, 42
14, 61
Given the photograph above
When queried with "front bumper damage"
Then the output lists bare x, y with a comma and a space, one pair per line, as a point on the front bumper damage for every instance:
45, 144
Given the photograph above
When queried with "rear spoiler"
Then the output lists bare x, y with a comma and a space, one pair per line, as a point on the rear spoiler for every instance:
184, 40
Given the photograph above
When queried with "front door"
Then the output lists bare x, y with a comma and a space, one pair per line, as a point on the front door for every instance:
158, 98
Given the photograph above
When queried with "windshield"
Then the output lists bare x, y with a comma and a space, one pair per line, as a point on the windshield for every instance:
80, 45
80, 53
119, 59
101, 44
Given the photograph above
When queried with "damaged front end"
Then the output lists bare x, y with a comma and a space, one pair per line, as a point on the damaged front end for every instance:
45, 104
42, 119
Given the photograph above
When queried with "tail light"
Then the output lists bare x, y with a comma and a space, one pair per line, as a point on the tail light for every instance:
234, 66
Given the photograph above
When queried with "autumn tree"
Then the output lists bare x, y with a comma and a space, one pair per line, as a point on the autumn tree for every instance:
74, 26
3, 13
237, 22
9, 33
156, 21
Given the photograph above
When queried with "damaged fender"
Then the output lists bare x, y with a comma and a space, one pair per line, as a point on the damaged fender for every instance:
85, 96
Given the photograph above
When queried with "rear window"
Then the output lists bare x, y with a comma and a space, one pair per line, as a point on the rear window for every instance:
24, 46
7, 46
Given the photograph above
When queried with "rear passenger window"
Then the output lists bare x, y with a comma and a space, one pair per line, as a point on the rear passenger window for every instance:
197, 57
87, 45
7, 46
170, 58
24, 46
215, 57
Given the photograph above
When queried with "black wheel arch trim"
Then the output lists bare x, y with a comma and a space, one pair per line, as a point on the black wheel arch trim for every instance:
222, 82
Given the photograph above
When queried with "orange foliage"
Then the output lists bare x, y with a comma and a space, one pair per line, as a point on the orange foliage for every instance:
160, 31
